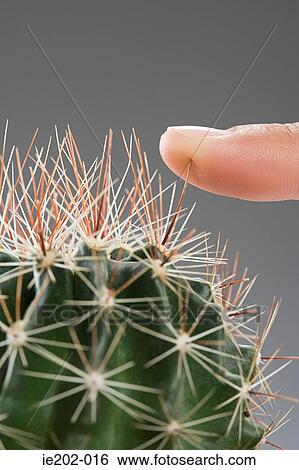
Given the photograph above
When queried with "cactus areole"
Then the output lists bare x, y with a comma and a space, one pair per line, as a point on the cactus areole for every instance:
119, 327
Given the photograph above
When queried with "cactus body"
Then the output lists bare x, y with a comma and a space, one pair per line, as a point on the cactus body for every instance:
106, 342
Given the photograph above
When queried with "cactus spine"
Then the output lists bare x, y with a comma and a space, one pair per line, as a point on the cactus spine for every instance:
119, 329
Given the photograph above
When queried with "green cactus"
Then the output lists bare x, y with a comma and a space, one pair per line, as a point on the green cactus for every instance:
119, 329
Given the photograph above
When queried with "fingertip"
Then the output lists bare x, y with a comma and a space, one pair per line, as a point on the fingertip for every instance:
176, 150
258, 163
163, 146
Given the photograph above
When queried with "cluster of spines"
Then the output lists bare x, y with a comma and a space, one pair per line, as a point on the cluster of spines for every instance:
56, 228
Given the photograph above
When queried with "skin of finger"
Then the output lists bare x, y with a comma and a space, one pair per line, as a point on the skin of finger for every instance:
255, 162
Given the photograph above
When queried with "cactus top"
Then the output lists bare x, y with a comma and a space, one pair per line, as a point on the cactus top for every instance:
119, 327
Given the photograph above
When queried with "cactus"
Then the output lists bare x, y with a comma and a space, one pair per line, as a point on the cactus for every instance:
120, 329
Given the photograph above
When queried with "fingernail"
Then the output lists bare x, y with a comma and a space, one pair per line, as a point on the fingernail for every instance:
196, 132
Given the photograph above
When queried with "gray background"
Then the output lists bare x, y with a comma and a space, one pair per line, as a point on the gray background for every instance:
151, 64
